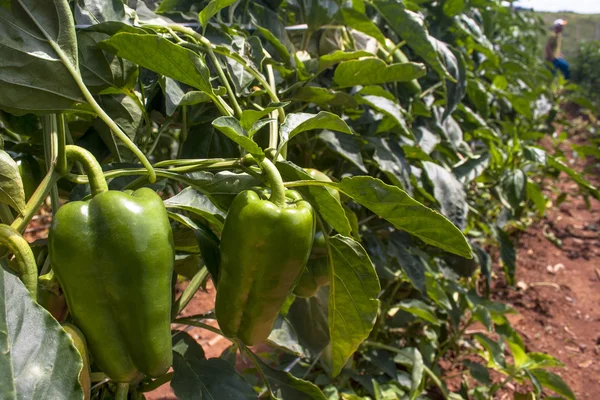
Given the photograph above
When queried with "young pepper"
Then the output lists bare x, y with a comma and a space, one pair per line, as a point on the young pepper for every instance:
265, 244
113, 256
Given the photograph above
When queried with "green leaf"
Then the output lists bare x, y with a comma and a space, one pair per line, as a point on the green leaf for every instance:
204, 141
405, 213
101, 70
453, 7
329, 60
233, 130
412, 265
324, 97
32, 347
389, 157
353, 303
581, 181
322, 200
196, 376
449, 192
92, 12
495, 350
374, 71
471, 168
211, 10
420, 310
11, 185
553, 382
222, 187
249, 117
508, 254
347, 146
542, 360
284, 385
455, 88
411, 28
388, 107
478, 372
412, 358
362, 23
158, 54
514, 187
196, 203
207, 242
38, 49
296, 123
175, 96
305, 327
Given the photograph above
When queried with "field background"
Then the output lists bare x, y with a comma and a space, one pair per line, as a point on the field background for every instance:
580, 28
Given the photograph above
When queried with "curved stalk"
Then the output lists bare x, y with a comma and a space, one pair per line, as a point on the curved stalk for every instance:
275, 181
37, 199
12, 239
122, 391
91, 166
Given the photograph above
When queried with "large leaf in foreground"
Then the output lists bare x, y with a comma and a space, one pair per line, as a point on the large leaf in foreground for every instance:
37, 357
39, 47
353, 300
407, 214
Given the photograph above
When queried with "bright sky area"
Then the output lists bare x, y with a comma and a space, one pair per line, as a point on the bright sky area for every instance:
579, 6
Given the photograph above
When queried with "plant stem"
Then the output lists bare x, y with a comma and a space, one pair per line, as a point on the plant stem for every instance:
122, 391
91, 166
184, 130
256, 74
51, 152
256, 363
236, 106
189, 292
193, 322
36, 199
12, 239
61, 143
158, 382
275, 181
273, 126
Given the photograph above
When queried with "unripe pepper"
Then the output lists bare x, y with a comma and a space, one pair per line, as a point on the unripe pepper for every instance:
265, 244
113, 256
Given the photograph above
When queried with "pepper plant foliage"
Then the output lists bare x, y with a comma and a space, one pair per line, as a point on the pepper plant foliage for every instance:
424, 114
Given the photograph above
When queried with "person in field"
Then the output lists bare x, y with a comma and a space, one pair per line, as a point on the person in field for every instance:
553, 53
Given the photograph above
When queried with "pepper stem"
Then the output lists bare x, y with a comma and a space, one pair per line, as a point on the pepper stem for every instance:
274, 178
10, 238
91, 166
122, 391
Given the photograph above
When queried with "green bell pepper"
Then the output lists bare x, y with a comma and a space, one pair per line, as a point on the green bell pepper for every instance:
265, 245
113, 256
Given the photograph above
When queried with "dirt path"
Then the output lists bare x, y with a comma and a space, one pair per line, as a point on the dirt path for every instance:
558, 290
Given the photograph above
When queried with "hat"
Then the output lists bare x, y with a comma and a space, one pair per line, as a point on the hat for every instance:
560, 22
